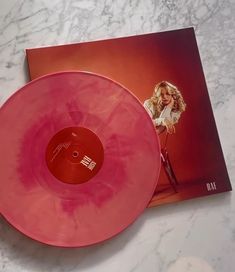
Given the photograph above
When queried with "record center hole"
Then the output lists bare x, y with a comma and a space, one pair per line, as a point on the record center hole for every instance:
75, 154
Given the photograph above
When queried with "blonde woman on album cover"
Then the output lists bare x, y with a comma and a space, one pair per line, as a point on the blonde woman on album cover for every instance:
165, 108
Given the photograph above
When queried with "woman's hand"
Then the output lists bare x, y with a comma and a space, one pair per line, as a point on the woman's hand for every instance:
169, 126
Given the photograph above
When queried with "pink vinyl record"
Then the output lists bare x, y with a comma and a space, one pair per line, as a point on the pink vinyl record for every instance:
80, 159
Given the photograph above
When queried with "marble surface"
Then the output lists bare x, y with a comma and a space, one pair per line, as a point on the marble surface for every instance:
195, 235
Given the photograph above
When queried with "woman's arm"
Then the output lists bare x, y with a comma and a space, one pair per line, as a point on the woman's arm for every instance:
159, 121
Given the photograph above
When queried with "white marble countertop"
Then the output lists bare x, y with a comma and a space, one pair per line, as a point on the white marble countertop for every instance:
195, 235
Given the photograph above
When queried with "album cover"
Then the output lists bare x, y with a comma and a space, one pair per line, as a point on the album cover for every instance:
164, 71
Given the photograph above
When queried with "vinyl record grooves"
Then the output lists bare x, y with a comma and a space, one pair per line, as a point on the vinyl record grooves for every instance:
79, 159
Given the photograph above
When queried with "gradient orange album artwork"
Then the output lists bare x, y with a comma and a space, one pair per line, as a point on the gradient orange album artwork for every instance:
164, 71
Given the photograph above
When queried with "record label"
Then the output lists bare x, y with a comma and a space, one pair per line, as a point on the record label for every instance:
74, 155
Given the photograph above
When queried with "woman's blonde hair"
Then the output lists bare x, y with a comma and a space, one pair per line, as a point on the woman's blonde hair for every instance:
156, 99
